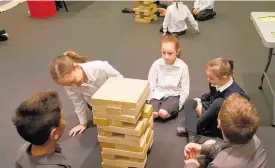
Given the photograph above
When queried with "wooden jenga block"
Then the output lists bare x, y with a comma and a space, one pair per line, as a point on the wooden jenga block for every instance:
128, 152
147, 111
125, 162
120, 96
125, 139
146, 9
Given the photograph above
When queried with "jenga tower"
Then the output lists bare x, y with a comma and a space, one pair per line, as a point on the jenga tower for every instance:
124, 122
145, 12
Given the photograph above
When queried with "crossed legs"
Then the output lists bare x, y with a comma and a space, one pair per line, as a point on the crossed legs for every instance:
166, 107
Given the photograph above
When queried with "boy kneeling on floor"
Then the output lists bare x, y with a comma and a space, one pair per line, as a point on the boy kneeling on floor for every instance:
40, 121
238, 121
203, 10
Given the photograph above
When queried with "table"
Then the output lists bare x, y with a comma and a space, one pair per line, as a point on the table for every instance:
265, 30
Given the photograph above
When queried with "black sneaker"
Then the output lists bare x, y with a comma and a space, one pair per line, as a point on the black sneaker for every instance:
181, 131
3, 35
127, 10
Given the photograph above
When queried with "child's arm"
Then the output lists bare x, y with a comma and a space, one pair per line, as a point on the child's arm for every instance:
192, 21
185, 87
153, 77
110, 71
206, 4
166, 20
80, 105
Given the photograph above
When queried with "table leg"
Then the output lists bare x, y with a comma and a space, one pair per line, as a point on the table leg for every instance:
266, 67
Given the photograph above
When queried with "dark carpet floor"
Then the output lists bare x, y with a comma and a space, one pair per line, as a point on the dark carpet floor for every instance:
100, 31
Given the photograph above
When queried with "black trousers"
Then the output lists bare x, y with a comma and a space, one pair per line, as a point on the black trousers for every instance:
207, 123
177, 33
204, 14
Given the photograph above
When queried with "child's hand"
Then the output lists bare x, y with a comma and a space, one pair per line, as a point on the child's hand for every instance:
192, 150
198, 99
196, 11
78, 129
163, 34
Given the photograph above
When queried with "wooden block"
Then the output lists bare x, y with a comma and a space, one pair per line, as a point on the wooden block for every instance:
103, 165
137, 154
123, 118
142, 21
126, 140
121, 93
125, 162
147, 111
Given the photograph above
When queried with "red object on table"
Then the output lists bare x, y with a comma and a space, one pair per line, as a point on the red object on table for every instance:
42, 9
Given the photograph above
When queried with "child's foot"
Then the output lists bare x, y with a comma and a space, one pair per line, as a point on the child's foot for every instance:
155, 114
181, 131
128, 10
3, 35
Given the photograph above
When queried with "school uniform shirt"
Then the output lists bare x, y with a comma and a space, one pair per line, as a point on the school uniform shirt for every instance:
25, 159
204, 4
222, 92
97, 73
228, 155
168, 80
175, 18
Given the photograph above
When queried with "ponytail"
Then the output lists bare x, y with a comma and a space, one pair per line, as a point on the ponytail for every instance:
75, 57
64, 64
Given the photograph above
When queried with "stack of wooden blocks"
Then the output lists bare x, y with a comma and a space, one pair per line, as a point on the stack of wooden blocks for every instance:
145, 12
124, 122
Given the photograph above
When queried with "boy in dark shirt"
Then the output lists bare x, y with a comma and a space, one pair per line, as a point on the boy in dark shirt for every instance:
219, 73
238, 121
40, 121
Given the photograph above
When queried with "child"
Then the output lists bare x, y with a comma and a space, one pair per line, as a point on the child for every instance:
169, 80
219, 73
175, 19
238, 121
3, 35
203, 10
81, 80
40, 121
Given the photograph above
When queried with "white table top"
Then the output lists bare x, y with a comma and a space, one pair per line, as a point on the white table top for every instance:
264, 28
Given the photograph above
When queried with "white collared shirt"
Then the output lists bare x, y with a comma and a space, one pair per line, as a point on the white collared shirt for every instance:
97, 73
204, 4
175, 18
225, 86
168, 81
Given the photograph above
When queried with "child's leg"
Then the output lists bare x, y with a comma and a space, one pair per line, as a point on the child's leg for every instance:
205, 15
156, 107
169, 107
209, 117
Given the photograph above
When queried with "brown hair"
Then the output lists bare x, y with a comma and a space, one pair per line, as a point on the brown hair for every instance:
220, 67
64, 64
239, 119
173, 39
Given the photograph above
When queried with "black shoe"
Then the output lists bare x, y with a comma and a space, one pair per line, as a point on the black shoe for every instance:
127, 10
181, 131
3, 35
194, 139
213, 14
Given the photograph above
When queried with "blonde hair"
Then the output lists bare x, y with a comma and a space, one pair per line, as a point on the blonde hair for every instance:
173, 39
220, 67
64, 64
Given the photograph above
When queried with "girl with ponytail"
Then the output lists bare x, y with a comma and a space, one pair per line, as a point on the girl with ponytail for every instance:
81, 80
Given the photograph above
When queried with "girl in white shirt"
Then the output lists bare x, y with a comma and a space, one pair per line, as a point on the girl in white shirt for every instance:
169, 80
81, 80
175, 19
